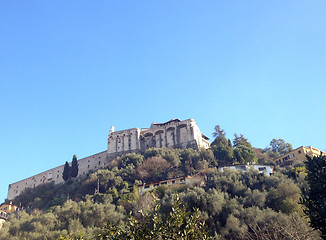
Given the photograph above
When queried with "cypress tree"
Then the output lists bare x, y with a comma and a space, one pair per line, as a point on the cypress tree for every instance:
315, 199
74, 167
66, 172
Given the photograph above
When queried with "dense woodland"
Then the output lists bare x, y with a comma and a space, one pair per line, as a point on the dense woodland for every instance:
232, 205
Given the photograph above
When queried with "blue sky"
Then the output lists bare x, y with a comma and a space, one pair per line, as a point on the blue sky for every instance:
71, 69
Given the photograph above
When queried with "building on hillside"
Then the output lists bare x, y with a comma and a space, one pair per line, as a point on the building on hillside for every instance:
174, 134
8, 207
196, 180
5, 211
298, 155
265, 169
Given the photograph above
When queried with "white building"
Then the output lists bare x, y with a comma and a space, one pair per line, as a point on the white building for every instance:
266, 169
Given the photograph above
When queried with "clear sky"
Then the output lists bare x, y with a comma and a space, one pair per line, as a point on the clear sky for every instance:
71, 69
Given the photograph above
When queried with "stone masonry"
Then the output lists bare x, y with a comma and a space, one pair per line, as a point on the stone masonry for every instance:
174, 134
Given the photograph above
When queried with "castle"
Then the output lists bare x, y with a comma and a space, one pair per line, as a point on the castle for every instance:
174, 134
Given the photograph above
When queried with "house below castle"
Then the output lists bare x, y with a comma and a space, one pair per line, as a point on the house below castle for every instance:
174, 134
298, 155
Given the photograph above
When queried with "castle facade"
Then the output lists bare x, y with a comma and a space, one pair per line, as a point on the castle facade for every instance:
174, 134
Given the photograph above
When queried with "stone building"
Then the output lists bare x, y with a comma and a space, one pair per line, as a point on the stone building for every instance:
174, 134
6, 209
298, 155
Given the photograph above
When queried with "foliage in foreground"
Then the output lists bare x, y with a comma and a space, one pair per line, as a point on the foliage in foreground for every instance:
232, 205
315, 198
178, 224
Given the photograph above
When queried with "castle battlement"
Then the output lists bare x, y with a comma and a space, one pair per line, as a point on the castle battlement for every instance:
174, 134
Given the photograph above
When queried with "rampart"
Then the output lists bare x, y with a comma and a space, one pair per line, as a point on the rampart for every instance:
174, 133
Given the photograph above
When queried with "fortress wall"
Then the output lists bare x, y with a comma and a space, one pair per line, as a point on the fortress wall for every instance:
52, 175
174, 133
92, 162
125, 140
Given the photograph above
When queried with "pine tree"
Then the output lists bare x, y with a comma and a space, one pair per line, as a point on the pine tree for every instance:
74, 167
66, 172
315, 199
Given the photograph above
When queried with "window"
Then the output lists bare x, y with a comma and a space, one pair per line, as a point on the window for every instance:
262, 168
99, 162
164, 183
299, 151
147, 186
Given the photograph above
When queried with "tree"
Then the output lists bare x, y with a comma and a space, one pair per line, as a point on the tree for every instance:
240, 141
153, 169
220, 139
177, 224
315, 199
74, 167
244, 154
224, 155
66, 172
222, 147
278, 148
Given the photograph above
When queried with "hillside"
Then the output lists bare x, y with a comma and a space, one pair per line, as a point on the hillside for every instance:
233, 205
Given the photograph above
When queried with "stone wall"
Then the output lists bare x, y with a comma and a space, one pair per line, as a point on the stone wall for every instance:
123, 141
92, 162
174, 133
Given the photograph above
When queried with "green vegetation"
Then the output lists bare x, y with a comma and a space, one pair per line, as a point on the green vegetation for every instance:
315, 198
278, 148
241, 152
70, 172
74, 167
232, 205
66, 172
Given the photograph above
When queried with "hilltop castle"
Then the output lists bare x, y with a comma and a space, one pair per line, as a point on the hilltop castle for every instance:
174, 134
